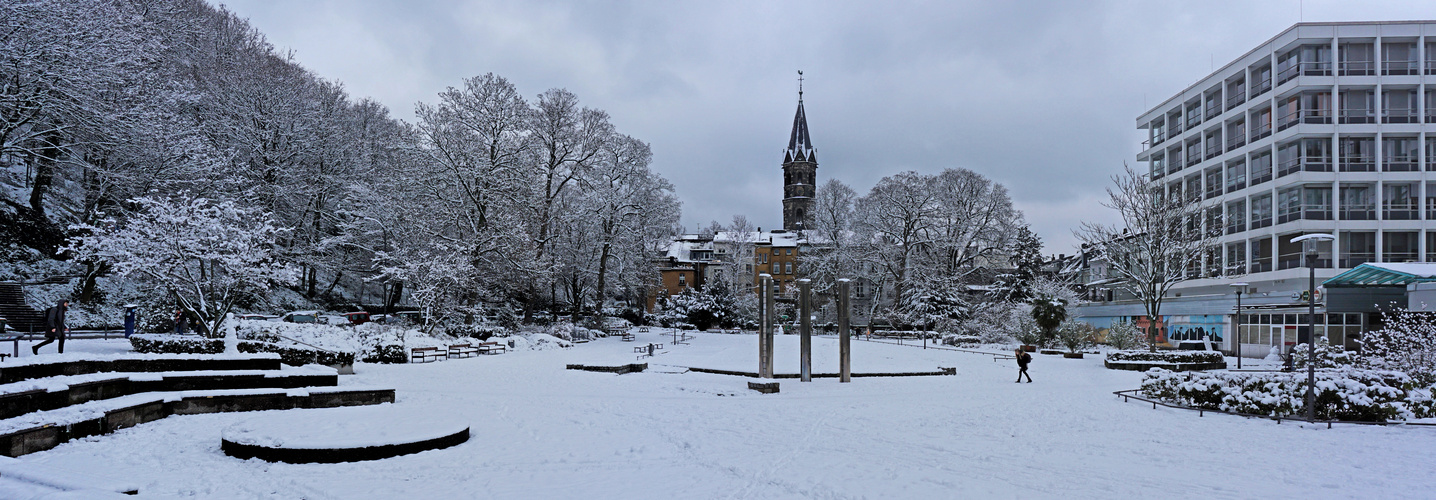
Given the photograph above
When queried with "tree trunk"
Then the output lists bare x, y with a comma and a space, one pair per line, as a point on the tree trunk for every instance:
598, 296
44, 173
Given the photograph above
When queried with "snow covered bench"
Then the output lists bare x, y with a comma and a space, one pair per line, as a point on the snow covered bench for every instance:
462, 350
492, 347
426, 354
628, 336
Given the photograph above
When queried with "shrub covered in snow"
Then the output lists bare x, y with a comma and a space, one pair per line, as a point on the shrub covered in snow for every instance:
1327, 355
960, 340
289, 354
1165, 357
1407, 344
1076, 335
1341, 394
1124, 336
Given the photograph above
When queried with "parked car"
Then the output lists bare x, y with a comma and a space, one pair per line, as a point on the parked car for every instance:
357, 317
304, 317
253, 317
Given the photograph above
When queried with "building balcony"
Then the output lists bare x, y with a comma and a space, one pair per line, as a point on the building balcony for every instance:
1213, 152
1411, 256
1261, 266
1358, 164
1237, 185
1236, 228
1398, 68
1236, 100
1302, 163
1405, 211
1193, 160
1212, 193
1431, 70
1237, 140
1400, 164
1353, 259
1400, 115
1260, 133
1261, 87
1309, 212
1358, 212
1261, 223
1357, 68
1260, 178
1357, 116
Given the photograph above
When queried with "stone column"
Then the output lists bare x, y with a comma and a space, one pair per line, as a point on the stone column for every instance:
805, 322
765, 326
845, 351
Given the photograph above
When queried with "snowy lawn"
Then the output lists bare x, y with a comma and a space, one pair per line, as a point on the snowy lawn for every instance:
540, 431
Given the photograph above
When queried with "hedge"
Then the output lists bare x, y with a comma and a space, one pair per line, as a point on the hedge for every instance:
293, 355
1172, 357
1341, 394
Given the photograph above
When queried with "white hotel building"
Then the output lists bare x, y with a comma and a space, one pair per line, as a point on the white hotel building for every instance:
1325, 128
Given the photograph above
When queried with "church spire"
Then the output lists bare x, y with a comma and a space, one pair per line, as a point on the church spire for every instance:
800, 147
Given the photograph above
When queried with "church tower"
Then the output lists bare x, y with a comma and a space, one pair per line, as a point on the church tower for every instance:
800, 171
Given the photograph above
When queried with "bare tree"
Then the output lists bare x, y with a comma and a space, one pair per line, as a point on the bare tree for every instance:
1159, 240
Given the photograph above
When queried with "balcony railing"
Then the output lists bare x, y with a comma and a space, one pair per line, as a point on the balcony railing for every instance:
1260, 177
1358, 164
1159, 137
1193, 159
1237, 98
1261, 87
1316, 116
1236, 268
1175, 165
1213, 193
1353, 259
1214, 149
1261, 265
1357, 68
1237, 184
1410, 256
1236, 227
1405, 163
1430, 214
1288, 260
1400, 115
1402, 211
1358, 212
1260, 132
1300, 163
1398, 67
1356, 116
1430, 70
1430, 114
1176, 127
1236, 140
1214, 108
1286, 120
1261, 223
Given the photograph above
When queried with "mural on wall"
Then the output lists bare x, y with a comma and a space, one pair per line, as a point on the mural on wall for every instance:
1181, 328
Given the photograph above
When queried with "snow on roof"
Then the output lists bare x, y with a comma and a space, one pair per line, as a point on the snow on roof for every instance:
1384, 274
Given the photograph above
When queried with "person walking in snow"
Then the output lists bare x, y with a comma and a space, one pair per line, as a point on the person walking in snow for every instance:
181, 322
1022, 360
54, 327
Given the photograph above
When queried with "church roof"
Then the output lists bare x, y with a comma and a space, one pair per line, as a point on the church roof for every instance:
800, 146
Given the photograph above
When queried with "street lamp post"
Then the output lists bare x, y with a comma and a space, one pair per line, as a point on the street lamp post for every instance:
1310, 246
1237, 331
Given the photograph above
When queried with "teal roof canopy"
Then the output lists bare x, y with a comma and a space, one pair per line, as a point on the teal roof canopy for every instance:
1384, 274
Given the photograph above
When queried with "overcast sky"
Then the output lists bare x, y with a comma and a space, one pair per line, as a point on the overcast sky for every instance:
1040, 96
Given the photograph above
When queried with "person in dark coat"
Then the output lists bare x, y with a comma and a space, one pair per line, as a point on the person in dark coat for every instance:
181, 322
1022, 360
54, 327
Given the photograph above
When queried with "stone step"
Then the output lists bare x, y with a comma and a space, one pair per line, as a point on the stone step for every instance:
53, 393
40, 479
42, 366
39, 431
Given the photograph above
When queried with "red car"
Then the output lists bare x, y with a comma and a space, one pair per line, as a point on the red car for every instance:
357, 318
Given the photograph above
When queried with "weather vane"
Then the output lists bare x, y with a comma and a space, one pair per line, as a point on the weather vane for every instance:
800, 85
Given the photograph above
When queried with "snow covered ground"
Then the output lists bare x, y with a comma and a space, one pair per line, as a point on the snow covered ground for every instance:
540, 431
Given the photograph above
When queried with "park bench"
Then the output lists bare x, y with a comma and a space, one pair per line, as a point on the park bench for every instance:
492, 348
646, 351
11, 337
462, 350
426, 354
628, 336
643, 329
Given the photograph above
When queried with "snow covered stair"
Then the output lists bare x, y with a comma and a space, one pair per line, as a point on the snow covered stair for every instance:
51, 393
21, 479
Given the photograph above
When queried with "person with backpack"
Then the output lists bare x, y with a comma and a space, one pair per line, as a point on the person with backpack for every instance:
1022, 360
54, 326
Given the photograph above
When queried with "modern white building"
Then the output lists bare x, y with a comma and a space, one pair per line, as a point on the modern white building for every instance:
1325, 128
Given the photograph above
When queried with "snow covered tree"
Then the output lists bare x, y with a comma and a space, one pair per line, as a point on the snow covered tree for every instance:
1407, 343
1123, 336
208, 255
1160, 240
1026, 257
1076, 335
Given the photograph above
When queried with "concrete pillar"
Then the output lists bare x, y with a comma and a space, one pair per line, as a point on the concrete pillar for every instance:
805, 321
845, 365
765, 326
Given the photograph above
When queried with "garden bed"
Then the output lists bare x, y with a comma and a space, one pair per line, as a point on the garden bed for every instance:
1342, 394
1168, 360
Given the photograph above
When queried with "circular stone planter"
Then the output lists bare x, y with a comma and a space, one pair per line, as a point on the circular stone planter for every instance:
349, 434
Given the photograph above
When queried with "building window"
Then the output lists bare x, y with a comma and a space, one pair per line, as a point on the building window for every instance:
1358, 202
1398, 201
790, 251
787, 268
1358, 154
1261, 211
1400, 154
860, 291
775, 268
1236, 176
1260, 168
1399, 246
682, 279
1357, 248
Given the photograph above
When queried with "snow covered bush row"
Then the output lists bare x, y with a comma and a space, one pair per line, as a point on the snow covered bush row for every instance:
1327, 355
292, 354
1165, 357
952, 339
1341, 394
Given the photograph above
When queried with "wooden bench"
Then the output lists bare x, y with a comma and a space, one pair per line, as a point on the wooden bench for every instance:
426, 354
492, 348
629, 337
462, 350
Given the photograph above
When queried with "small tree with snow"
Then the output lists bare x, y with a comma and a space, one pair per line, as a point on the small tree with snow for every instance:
1049, 313
1076, 335
1123, 336
208, 255
1407, 344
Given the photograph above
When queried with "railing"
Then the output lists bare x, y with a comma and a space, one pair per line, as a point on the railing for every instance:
1213, 193
1176, 128
1367, 212
1237, 268
1258, 178
1430, 70
1238, 98
1316, 212
1316, 116
1285, 74
1236, 140
1353, 259
1260, 132
1193, 159
1356, 116
1131, 394
1261, 87
1306, 163
1430, 115
1158, 138
1398, 67
1358, 164
1237, 185
1213, 108
1213, 152
1287, 119
1316, 68
1401, 211
1357, 68
1400, 164
1288, 167
1237, 227
1400, 115
1174, 165
1430, 215
1410, 256
1261, 223
1261, 265
1288, 260
1193, 120
1288, 215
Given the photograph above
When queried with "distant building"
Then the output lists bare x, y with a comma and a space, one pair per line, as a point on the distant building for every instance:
1325, 128
800, 173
